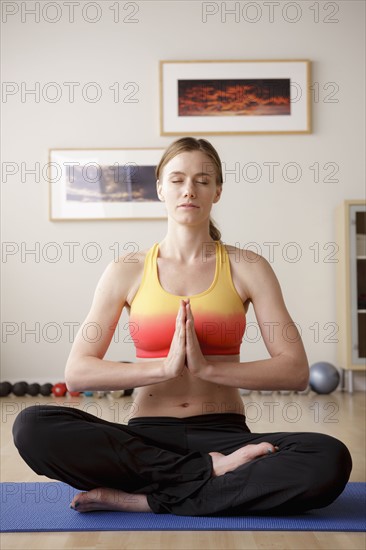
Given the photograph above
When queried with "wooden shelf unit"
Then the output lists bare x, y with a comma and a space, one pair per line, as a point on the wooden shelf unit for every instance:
351, 288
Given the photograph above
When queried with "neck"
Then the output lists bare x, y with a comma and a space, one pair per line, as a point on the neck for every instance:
187, 244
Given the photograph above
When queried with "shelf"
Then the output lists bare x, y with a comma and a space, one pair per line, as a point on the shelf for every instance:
351, 287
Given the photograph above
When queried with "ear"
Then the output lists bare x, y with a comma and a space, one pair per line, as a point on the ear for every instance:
218, 193
158, 190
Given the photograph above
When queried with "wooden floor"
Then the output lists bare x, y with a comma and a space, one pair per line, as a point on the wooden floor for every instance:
338, 414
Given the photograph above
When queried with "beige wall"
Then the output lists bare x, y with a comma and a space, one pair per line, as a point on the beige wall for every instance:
36, 293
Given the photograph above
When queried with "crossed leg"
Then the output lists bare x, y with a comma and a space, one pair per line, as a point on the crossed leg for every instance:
105, 498
169, 468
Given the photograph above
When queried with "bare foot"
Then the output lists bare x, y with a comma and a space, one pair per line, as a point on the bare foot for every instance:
227, 463
113, 499
109, 499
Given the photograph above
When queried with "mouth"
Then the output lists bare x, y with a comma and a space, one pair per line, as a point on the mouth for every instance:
188, 206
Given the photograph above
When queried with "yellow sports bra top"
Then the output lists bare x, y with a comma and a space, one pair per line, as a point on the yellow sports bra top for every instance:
219, 314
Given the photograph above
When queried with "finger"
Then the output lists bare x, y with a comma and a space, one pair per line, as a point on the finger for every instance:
182, 330
184, 316
191, 335
189, 311
190, 318
183, 307
180, 315
189, 315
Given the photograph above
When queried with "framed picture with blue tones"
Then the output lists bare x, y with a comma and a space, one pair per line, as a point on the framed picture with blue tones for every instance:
103, 184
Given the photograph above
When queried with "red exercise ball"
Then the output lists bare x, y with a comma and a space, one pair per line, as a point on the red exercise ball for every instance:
59, 389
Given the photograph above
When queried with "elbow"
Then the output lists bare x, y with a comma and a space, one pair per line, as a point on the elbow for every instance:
72, 380
71, 384
72, 387
301, 386
302, 377
296, 374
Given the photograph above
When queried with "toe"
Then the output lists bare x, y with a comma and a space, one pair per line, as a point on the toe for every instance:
261, 449
74, 504
79, 500
267, 448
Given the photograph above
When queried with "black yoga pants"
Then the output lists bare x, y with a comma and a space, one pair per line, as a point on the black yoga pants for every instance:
167, 459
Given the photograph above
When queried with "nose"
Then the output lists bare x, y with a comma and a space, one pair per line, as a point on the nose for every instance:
189, 189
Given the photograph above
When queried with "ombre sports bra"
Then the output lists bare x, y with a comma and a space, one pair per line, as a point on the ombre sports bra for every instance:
219, 314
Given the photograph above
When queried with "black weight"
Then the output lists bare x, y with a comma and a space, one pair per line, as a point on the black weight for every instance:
46, 389
20, 389
5, 389
33, 389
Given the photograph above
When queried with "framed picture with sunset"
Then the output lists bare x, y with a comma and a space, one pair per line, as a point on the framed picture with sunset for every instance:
235, 97
103, 184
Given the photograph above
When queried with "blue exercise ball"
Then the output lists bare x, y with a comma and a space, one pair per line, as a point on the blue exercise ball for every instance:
324, 377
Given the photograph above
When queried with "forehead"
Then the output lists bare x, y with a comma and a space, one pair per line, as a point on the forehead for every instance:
190, 162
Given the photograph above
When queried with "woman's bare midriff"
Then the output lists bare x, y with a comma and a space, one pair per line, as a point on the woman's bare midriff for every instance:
187, 395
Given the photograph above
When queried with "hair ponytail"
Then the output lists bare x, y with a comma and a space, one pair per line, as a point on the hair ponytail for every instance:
215, 233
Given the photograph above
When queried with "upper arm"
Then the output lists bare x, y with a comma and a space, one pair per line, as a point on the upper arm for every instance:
96, 332
279, 332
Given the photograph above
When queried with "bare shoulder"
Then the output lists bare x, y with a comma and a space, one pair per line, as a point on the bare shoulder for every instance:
250, 271
127, 271
130, 261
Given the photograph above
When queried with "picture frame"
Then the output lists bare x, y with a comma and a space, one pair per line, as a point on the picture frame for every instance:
104, 184
235, 97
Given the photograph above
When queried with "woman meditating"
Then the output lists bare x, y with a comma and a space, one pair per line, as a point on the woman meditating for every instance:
187, 449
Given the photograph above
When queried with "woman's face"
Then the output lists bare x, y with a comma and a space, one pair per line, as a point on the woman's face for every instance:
189, 179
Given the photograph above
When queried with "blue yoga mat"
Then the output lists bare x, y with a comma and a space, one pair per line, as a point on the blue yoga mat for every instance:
45, 507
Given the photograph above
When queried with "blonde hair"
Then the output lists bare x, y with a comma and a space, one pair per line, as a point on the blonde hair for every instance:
183, 145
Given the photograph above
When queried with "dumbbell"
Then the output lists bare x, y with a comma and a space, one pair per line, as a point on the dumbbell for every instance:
20, 388
5, 389
33, 389
46, 389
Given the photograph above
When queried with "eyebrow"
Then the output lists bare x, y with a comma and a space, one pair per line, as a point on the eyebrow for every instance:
175, 173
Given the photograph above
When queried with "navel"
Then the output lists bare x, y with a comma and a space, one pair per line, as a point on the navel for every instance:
185, 405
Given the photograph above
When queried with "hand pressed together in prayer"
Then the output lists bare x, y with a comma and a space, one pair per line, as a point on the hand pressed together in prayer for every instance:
185, 351
195, 359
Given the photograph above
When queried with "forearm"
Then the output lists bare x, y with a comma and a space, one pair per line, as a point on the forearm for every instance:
282, 372
92, 373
